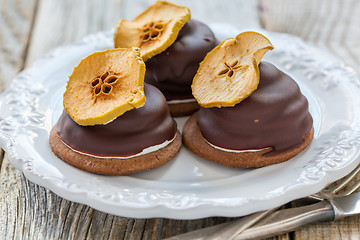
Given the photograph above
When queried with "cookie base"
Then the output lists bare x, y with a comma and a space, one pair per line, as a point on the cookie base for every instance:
183, 109
197, 144
113, 166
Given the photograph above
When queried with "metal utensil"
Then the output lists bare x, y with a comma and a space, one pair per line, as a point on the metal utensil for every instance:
233, 230
226, 230
337, 201
288, 220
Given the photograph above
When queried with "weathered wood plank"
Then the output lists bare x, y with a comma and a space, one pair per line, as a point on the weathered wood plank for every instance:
62, 22
16, 21
240, 13
2, 155
347, 228
332, 25
328, 24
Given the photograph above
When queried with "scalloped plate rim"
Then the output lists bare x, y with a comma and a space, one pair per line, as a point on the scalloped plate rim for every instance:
161, 210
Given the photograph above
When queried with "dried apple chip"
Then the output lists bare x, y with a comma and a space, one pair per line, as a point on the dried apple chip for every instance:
105, 85
229, 73
154, 30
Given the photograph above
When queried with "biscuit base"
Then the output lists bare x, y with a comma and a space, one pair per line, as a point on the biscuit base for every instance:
113, 166
197, 144
183, 109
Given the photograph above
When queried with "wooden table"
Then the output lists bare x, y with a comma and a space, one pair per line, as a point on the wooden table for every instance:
30, 28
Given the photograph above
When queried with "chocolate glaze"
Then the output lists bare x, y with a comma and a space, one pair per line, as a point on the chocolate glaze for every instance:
275, 115
128, 134
173, 70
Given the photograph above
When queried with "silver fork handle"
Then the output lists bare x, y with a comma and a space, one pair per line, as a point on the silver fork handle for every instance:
276, 223
287, 220
222, 231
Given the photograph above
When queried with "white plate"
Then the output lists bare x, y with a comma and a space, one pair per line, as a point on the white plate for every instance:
188, 187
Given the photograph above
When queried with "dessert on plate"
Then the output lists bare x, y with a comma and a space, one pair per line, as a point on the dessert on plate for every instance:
112, 122
251, 114
170, 66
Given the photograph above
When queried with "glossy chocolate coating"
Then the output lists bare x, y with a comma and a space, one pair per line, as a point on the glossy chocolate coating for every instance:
128, 134
173, 70
275, 115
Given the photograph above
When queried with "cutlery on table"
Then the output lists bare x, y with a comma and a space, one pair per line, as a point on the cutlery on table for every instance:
290, 219
332, 206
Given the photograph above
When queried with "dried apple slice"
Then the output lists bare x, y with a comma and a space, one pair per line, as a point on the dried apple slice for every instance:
154, 30
230, 73
105, 85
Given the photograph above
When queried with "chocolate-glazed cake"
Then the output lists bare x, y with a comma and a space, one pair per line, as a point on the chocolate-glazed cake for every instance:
173, 70
140, 139
270, 126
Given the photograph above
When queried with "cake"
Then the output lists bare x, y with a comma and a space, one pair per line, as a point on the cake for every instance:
173, 70
172, 45
141, 136
270, 123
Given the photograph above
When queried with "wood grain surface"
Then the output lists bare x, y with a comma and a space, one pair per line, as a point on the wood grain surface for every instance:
329, 24
31, 28
16, 23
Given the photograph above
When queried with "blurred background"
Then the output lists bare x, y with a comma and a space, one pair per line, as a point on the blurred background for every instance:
30, 28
